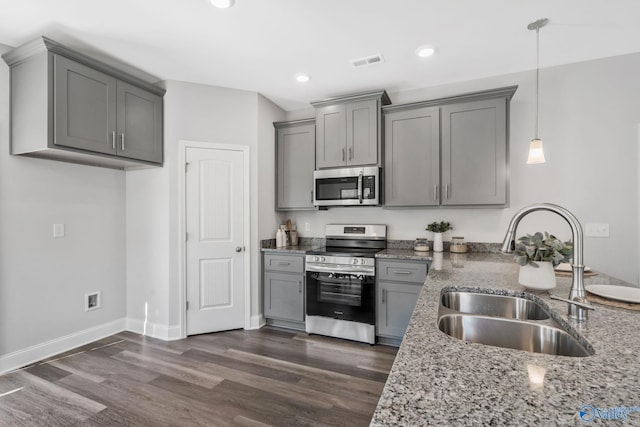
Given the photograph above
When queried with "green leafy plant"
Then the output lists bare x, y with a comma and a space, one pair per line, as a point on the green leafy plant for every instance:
439, 227
539, 247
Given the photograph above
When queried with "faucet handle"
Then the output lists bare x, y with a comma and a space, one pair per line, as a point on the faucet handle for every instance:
576, 302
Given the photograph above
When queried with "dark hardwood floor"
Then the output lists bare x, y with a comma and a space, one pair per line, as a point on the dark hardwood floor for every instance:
240, 378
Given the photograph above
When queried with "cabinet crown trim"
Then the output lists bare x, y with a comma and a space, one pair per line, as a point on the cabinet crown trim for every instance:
503, 92
43, 44
361, 96
290, 123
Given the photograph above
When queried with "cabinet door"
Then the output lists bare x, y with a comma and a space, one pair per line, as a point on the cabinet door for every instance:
84, 107
284, 296
362, 133
139, 124
295, 164
412, 157
395, 302
474, 153
331, 136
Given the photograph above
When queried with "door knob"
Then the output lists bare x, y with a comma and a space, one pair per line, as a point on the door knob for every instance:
238, 248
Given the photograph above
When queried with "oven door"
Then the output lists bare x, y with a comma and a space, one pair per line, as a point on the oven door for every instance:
341, 296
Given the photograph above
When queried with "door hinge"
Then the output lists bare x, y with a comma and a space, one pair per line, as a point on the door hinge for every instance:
187, 305
186, 236
186, 166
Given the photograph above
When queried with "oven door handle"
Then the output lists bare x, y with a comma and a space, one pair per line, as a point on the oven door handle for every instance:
365, 271
360, 186
336, 280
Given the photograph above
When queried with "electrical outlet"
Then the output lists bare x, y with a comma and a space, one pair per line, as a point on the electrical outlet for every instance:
307, 226
92, 301
58, 230
596, 230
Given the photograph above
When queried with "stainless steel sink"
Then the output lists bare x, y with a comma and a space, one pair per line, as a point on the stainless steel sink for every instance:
493, 305
508, 322
516, 334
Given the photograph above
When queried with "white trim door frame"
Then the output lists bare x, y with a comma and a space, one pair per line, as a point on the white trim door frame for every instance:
183, 145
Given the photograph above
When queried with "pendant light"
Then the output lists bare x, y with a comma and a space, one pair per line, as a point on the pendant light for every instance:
536, 152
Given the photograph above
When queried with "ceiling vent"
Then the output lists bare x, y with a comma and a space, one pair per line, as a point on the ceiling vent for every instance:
366, 61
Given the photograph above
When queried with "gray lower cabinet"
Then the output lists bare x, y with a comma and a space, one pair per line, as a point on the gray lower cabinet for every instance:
67, 106
450, 152
399, 283
284, 290
295, 163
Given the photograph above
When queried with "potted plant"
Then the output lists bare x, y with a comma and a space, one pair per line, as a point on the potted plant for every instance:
437, 228
538, 254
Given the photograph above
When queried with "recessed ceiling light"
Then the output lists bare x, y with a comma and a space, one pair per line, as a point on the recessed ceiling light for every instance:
302, 77
222, 4
425, 51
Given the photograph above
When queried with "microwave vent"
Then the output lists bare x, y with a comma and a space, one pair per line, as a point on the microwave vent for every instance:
369, 60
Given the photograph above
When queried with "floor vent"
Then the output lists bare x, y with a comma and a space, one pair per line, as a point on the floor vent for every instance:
369, 60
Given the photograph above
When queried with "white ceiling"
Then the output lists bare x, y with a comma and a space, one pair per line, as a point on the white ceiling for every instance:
258, 45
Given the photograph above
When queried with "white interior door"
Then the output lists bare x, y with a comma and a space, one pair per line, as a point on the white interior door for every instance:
215, 240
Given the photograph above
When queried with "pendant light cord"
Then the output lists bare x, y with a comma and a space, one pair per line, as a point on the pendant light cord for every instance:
537, 74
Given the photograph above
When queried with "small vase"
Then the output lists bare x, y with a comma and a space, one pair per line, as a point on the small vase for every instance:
541, 278
437, 242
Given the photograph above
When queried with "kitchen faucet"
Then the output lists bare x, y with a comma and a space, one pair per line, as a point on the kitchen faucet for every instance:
577, 301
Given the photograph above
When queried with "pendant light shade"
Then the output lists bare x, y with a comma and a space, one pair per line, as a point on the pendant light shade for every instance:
536, 152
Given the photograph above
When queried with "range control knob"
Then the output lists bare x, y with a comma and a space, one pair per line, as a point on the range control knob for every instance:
355, 261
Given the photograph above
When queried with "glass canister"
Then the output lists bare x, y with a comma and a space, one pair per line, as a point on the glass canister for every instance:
421, 245
458, 245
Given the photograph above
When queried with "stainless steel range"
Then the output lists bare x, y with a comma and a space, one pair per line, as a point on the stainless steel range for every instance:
341, 282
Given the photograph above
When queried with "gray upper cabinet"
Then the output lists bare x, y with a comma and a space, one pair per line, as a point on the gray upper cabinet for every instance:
448, 152
295, 162
67, 106
85, 107
139, 124
474, 153
412, 157
348, 130
331, 140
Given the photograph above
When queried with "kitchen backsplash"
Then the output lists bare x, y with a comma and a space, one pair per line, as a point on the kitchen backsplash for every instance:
392, 244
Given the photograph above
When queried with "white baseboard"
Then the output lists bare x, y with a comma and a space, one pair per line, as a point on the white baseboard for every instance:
257, 322
24, 357
154, 330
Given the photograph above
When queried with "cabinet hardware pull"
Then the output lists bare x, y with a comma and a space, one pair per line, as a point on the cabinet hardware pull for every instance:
300, 288
284, 263
113, 139
384, 295
446, 191
311, 196
402, 272
122, 145
435, 192
350, 153
343, 154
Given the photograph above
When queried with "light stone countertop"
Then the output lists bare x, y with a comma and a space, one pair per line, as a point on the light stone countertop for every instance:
439, 380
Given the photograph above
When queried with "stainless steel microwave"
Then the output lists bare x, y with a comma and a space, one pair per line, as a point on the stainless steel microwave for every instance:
358, 186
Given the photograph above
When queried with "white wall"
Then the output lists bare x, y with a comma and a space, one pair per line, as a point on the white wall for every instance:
43, 281
192, 112
589, 115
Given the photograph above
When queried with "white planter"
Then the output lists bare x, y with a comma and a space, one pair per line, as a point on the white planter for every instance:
437, 242
541, 278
